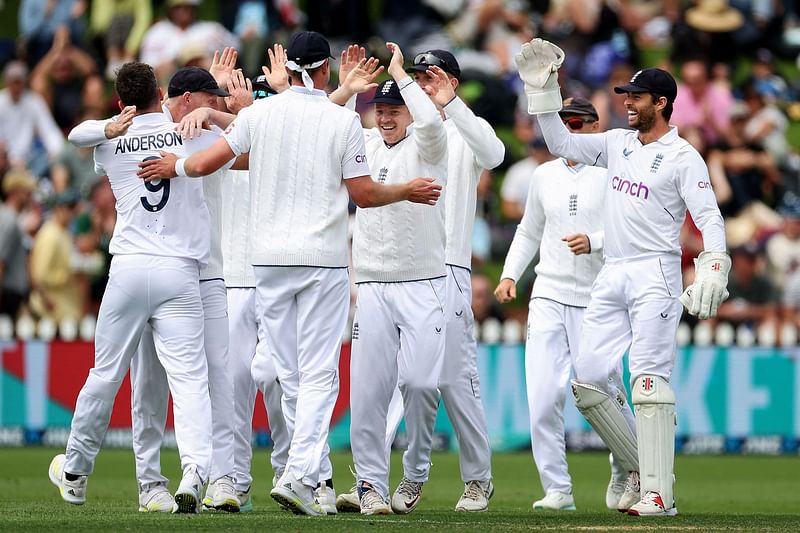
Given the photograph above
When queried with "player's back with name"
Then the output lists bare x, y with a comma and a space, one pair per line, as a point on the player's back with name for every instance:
166, 217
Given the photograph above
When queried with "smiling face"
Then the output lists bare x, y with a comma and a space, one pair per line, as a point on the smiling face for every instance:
642, 109
392, 121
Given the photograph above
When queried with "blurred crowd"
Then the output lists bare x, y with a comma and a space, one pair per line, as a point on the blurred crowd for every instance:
736, 61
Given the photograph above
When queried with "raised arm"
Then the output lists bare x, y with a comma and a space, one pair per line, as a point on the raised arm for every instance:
431, 137
477, 133
93, 132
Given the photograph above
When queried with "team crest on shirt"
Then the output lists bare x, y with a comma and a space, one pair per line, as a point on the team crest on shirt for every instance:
382, 175
354, 336
573, 204
656, 164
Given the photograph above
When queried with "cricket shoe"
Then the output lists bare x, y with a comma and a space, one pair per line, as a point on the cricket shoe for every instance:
652, 505
326, 497
632, 493
349, 502
221, 496
555, 501
406, 497
155, 498
476, 496
370, 502
245, 501
74, 491
297, 497
187, 497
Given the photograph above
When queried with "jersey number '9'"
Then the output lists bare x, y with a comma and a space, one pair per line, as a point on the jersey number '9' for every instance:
155, 187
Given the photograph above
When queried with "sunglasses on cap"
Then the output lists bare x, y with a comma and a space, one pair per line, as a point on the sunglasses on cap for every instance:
427, 58
576, 123
258, 94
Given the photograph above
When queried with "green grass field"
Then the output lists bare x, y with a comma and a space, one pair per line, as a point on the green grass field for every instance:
730, 493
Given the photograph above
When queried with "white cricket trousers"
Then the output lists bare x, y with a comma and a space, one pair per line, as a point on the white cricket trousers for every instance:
554, 333
164, 292
149, 393
304, 312
398, 341
245, 340
634, 308
459, 383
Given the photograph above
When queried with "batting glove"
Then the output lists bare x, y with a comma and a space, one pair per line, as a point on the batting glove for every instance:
538, 63
703, 297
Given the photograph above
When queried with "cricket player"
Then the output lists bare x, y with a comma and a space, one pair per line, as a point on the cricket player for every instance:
472, 146
154, 279
654, 176
399, 325
563, 223
306, 154
189, 89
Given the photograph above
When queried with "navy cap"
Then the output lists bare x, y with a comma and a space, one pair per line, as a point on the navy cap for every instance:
578, 107
651, 80
308, 47
790, 206
194, 80
437, 58
261, 88
388, 93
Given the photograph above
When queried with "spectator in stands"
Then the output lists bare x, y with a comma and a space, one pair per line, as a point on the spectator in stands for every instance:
40, 19
164, 41
74, 168
707, 27
484, 304
55, 287
766, 125
611, 106
67, 79
120, 25
18, 187
24, 115
514, 191
94, 228
783, 248
700, 103
752, 298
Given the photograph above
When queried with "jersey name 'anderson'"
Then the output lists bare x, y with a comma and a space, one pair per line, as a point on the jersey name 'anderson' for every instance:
148, 142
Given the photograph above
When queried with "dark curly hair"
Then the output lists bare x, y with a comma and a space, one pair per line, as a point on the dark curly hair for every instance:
136, 85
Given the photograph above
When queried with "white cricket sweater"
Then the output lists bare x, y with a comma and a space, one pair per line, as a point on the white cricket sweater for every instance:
650, 186
298, 143
472, 146
237, 267
562, 200
404, 241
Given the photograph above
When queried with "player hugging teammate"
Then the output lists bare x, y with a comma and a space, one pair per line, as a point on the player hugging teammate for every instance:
239, 280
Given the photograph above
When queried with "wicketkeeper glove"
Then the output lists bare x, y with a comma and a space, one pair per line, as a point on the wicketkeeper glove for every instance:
538, 64
703, 297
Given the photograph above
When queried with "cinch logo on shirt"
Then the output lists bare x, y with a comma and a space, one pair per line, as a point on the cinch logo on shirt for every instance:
148, 142
628, 187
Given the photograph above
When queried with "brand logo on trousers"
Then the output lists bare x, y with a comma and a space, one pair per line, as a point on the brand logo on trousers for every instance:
647, 384
639, 190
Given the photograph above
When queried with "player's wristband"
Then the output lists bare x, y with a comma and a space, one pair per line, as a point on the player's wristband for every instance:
179, 167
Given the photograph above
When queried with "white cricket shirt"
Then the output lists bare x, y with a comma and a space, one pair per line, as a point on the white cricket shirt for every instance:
562, 200
649, 188
472, 145
165, 218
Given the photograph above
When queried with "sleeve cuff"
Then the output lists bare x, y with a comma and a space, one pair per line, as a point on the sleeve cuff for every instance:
454, 107
596, 241
405, 82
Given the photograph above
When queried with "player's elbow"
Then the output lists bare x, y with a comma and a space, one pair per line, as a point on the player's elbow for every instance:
364, 199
